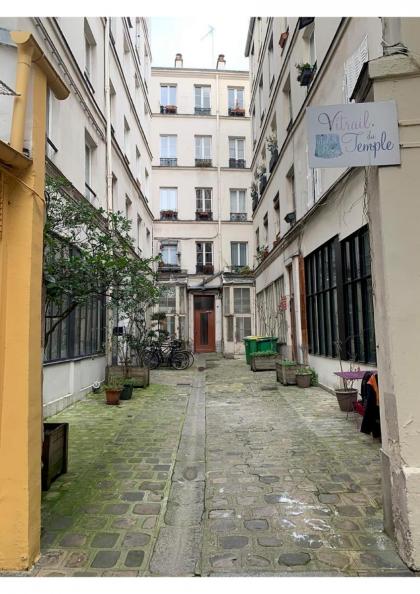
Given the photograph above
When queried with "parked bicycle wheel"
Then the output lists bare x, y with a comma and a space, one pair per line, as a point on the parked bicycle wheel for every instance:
191, 358
180, 360
151, 358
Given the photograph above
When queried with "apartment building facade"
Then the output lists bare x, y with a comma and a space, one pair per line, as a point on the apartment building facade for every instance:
98, 142
313, 278
201, 202
336, 246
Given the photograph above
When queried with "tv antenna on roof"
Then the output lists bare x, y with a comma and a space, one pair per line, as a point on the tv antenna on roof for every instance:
210, 33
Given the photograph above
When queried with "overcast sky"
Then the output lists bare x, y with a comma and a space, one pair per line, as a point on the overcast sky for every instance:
172, 35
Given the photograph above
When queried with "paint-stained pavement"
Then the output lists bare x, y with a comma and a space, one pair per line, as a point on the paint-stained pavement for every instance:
216, 472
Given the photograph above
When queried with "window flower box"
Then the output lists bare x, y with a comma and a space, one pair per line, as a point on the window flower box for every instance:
168, 109
168, 215
236, 111
203, 215
306, 74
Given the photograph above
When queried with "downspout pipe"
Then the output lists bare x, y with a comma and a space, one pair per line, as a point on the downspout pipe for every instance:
23, 71
110, 205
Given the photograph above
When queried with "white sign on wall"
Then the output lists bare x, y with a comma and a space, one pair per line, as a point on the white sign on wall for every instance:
353, 134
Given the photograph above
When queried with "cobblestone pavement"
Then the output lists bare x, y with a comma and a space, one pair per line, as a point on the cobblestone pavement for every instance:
216, 472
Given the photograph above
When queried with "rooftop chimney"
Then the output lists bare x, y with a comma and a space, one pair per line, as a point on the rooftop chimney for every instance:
179, 62
221, 62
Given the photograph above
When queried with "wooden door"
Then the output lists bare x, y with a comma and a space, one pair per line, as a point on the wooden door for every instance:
204, 324
292, 312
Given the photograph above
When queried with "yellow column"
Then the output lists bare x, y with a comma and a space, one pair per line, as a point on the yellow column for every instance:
20, 325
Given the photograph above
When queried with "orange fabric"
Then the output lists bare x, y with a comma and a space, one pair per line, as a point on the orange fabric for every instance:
372, 382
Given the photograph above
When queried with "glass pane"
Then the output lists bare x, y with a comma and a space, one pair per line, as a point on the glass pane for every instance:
233, 201
230, 329
241, 206
231, 97
206, 97
242, 254
234, 254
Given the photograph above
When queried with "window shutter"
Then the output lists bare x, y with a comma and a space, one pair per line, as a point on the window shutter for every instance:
353, 67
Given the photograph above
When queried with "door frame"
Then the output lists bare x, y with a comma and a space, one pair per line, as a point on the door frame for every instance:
211, 323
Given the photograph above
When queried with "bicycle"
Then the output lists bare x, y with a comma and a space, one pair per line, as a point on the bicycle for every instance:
169, 354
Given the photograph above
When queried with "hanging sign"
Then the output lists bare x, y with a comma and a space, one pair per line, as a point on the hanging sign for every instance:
353, 134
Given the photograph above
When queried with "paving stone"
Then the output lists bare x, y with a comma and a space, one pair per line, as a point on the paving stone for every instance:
270, 541
147, 509
134, 559
269, 479
162, 467
385, 559
222, 525
104, 540
257, 561
61, 523
152, 486
133, 496
149, 523
73, 540
124, 522
221, 513
105, 559
135, 539
334, 559
328, 498
51, 559
77, 559
349, 510
225, 561
255, 525
292, 559
116, 509
234, 542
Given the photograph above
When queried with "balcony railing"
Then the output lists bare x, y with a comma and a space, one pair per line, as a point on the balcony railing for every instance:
203, 162
168, 109
204, 269
168, 215
203, 215
164, 267
238, 217
237, 163
168, 161
202, 110
239, 269
236, 112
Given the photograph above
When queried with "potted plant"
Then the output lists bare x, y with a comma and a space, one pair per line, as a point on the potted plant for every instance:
262, 253
303, 377
272, 146
128, 386
264, 361
286, 372
112, 391
261, 173
347, 395
306, 73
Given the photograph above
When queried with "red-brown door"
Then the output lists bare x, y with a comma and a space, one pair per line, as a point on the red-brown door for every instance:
204, 326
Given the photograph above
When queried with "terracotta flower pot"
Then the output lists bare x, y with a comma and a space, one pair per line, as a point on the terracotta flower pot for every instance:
113, 396
346, 399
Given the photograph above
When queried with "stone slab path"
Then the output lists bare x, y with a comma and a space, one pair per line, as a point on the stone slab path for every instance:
217, 472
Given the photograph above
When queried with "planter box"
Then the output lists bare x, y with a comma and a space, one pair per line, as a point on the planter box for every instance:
54, 452
264, 363
126, 393
137, 373
286, 374
303, 380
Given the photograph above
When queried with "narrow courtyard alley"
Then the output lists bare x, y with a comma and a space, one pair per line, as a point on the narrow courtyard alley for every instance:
216, 471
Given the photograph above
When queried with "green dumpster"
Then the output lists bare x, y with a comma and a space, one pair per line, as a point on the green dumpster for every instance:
256, 344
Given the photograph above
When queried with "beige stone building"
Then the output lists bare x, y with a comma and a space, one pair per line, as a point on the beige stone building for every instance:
335, 276
201, 202
97, 140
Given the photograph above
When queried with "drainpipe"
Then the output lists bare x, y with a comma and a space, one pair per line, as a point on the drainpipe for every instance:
108, 120
219, 198
109, 202
23, 70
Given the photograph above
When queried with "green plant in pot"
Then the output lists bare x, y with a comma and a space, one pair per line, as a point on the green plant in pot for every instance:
303, 377
112, 391
128, 386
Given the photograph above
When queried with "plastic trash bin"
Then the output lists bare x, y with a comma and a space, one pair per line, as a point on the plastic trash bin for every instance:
255, 344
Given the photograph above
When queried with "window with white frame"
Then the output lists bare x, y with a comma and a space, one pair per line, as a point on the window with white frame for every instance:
241, 300
202, 99
203, 199
167, 95
169, 199
237, 149
353, 67
271, 61
169, 253
89, 52
167, 299
127, 144
168, 149
239, 253
204, 252
89, 156
236, 97
242, 327
237, 201
203, 147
